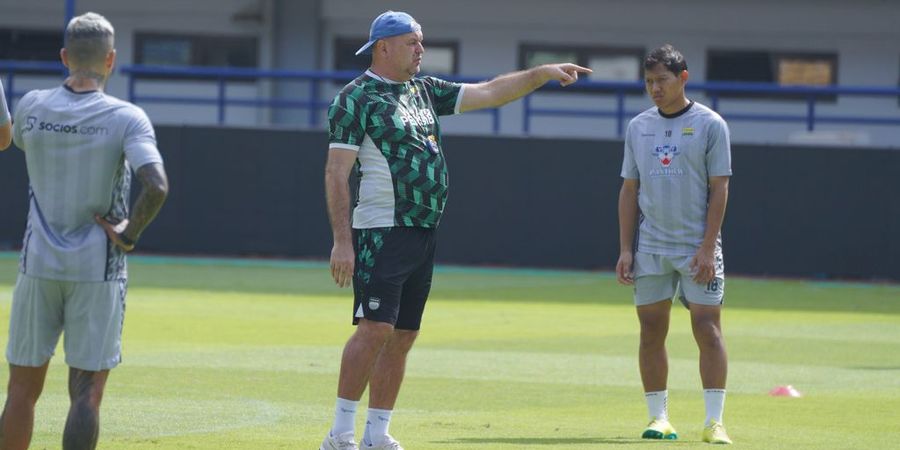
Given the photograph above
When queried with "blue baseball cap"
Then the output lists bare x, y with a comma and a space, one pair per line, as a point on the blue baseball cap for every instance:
389, 23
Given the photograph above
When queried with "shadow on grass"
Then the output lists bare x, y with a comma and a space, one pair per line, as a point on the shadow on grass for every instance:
260, 276
544, 441
875, 368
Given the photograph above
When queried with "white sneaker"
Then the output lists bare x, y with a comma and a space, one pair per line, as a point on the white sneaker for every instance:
389, 443
343, 441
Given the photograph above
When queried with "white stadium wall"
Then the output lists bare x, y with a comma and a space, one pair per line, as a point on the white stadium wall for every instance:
863, 33
300, 34
212, 17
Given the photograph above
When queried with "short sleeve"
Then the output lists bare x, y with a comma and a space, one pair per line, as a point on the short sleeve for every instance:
629, 164
446, 95
4, 108
346, 123
718, 150
140, 141
21, 123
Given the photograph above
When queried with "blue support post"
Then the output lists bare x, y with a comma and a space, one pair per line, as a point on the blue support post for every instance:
620, 112
313, 103
131, 83
496, 114
526, 118
70, 12
810, 112
221, 101
9, 89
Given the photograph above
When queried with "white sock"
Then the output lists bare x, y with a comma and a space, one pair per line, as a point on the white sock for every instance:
715, 404
377, 423
658, 404
344, 416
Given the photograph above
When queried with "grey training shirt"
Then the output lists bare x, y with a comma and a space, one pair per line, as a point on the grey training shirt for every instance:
673, 156
79, 151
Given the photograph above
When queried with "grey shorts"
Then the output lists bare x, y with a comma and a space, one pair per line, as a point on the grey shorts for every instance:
90, 313
657, 277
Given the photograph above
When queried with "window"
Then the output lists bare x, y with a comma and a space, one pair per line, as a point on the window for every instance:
805, 71
162, 51
195, 50
30, 45
608, 63
440, 58
786, 69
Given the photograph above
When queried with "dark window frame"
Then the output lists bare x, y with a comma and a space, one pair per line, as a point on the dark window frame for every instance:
344, 49
774, 56
32, 45
202, 44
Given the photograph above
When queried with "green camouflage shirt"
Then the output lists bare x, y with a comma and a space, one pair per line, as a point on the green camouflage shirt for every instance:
393, 127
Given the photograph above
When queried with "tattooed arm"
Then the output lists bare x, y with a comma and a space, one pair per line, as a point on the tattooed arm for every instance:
155, 188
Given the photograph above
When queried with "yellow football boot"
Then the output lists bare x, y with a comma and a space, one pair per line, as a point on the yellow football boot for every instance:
714, 433
660, 429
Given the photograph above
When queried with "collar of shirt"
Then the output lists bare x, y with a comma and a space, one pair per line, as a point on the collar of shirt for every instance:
381, 78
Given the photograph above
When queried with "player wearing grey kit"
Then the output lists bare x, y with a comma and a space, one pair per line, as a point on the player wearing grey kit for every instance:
80, 147
676, 168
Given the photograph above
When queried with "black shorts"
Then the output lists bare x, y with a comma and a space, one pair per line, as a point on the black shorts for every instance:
393, 272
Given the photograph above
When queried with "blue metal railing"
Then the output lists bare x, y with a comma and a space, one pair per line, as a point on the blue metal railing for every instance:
13, 68
314, 104
715, 90
221, 76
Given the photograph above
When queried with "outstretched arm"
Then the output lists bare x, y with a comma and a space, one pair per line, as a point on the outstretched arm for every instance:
515, 85
155, 188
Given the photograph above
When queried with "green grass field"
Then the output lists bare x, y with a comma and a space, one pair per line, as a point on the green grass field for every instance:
244, 354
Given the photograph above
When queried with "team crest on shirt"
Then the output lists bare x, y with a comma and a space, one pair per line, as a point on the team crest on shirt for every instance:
666, 154
431, 142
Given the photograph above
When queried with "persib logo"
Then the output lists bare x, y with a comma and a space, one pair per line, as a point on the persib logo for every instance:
666, 154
